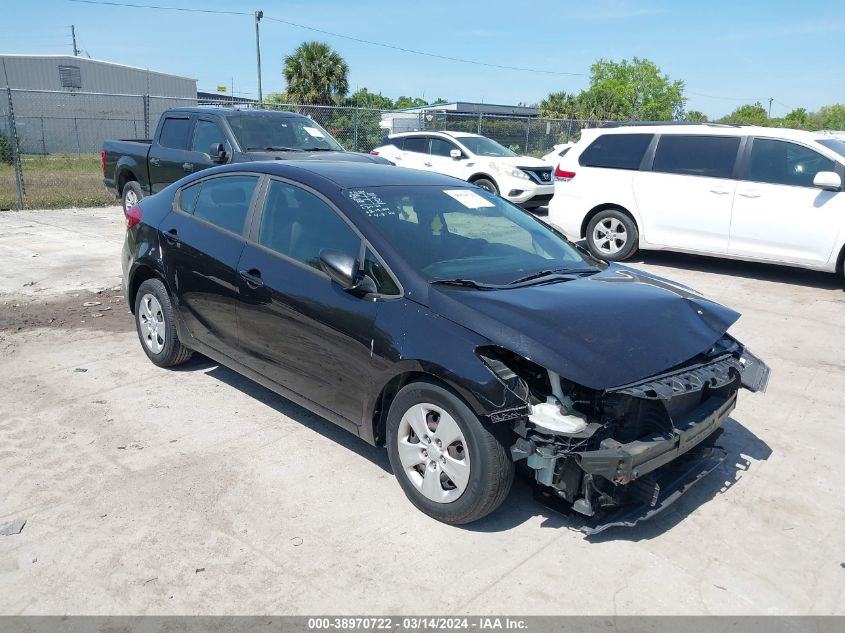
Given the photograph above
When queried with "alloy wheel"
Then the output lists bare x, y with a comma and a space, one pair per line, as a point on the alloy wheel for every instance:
610, 236
151, 323
131, 199
433, 453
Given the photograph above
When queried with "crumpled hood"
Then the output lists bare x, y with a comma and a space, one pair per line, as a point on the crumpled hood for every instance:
349, 157
612, 328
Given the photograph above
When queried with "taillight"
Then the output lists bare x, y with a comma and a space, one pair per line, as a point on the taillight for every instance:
565, 176
133, 216
103, 160
374, 152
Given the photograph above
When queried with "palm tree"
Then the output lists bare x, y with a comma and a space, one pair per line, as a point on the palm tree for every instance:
316, 75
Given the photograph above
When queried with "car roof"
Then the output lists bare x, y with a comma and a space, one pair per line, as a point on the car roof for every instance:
450, 133
345, 175
233, 111
707, 129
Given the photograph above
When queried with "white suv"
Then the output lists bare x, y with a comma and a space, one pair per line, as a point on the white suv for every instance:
742, 192
523, 180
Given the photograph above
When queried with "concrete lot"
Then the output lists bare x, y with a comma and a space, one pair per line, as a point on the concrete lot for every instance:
151, 491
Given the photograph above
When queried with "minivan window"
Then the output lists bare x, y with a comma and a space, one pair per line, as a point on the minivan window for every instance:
785, 163
616, 151
298, 224
174, 133
224, 201
416, 144
206, 134
710, 156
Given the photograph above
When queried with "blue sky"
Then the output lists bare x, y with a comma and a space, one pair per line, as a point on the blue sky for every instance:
726, 52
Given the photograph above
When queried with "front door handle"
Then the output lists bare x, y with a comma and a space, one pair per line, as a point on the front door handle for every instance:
172, 236
252, 278
154, 162
427, 164
188, 166
751, 193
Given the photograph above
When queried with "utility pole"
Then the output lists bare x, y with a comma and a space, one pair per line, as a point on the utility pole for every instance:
258, 16
73, 35
770, 106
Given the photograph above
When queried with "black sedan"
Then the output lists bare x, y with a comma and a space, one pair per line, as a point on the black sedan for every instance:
428, 315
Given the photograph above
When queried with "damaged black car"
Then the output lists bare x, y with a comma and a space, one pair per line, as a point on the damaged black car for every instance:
431, 317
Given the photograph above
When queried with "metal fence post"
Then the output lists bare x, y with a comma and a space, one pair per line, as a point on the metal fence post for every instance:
355, 131
146, 101
16, 157
43, 141
479, 124
569, 132
527, 131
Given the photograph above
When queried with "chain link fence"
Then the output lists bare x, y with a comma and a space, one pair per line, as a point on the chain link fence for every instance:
50, 140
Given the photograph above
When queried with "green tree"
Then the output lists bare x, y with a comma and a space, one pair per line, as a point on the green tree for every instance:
694, 116
409, 102
365, 99
831, 117
798, 119
748, 114
635, 89
316, 75
559, 105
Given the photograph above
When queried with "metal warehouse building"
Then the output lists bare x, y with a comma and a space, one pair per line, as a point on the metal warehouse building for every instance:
64, 103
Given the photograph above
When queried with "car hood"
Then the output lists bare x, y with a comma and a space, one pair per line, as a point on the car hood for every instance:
606, 330
349, 157
515, 161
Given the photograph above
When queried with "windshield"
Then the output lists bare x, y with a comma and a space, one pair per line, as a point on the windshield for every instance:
268, 131
467, 234
835, 144
482, 146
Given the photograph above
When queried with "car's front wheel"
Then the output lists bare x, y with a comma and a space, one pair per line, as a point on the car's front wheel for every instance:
449, 465
156, 325
612, 235
486, 184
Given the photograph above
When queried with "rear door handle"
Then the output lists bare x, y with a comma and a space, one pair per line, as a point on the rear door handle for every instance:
720, 190
188, 166
252, 278
750, 193
154, 162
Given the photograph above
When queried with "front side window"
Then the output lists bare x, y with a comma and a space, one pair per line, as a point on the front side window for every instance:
207, 134
378, 273
710, 156
616, 151
298, 224
461, 233
273, 131
225, 201
174, 133
440, 147
785, 163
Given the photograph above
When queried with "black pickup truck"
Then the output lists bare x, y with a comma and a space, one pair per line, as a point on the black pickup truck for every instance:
190, 139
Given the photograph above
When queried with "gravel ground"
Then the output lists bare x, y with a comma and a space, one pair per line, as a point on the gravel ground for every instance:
152, 491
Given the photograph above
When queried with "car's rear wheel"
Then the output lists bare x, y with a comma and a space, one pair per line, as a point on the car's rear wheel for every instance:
449, 465
612, 235
487, 184
156, 325
132, 194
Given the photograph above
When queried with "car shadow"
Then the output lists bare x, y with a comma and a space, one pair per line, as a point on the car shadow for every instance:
300, 415
742, 446
736, 268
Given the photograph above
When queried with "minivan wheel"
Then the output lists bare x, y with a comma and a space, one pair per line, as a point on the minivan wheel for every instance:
132, 194
486, 184
612, 235
448, 464
156, 325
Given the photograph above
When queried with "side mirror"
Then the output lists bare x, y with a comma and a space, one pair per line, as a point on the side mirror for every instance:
828, 180
456, 154
342, 268
218, 153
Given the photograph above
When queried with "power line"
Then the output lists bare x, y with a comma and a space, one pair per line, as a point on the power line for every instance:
340, 35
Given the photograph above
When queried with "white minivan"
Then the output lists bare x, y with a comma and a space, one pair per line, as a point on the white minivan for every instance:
763, 194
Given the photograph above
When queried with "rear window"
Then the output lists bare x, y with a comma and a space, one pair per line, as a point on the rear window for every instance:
174, 133
416, 144
710, 156
224, 201
616, 151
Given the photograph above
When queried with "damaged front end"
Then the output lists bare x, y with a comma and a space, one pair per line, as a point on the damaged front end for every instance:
622, 454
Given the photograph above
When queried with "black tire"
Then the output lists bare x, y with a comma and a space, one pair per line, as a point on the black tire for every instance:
172, 352
486, 183
626, 241
131, 189
491, 470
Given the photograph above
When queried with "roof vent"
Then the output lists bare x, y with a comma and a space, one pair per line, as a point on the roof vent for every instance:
70, 76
